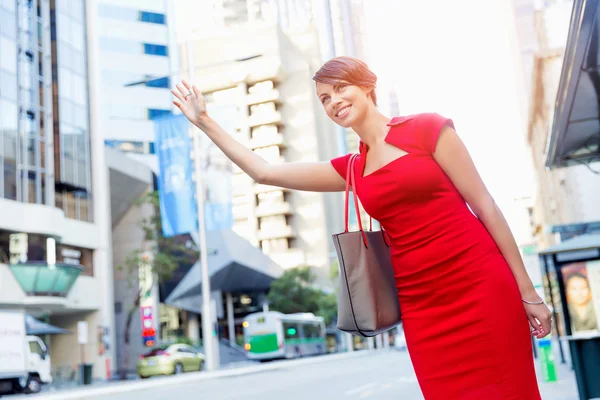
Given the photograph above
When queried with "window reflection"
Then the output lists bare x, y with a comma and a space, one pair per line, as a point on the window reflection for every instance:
71, 140
10, 180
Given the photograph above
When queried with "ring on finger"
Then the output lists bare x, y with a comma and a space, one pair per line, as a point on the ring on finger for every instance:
186, 96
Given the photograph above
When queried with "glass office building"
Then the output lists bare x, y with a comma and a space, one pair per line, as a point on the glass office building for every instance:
44, 129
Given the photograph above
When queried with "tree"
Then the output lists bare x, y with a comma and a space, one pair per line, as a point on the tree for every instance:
154, 261
294, 292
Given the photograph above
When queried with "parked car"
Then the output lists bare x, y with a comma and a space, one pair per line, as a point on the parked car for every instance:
169, 360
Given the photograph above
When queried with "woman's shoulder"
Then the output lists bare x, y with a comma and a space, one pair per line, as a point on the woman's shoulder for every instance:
417, 131
421, 119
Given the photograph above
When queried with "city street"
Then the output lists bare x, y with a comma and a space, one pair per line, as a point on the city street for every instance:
381, 375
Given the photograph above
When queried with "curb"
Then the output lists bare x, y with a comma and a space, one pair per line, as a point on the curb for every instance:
126, 387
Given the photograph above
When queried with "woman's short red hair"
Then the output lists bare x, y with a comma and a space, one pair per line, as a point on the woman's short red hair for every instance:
349, 70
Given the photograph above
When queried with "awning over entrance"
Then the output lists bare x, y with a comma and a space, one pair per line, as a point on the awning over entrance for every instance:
583, 242
42, 279
37, 327
234, 265
575, 133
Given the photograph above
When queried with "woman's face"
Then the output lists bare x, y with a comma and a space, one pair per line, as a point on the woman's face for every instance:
578, 291
345, 104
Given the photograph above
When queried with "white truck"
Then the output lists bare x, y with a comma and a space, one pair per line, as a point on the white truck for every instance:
24, 360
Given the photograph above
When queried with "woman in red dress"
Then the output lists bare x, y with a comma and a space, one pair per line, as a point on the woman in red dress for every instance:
468, 305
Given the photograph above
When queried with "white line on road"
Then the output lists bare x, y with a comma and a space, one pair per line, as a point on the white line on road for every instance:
407, 379
361, 388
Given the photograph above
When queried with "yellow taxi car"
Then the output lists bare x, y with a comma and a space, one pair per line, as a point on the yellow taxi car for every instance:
169, 360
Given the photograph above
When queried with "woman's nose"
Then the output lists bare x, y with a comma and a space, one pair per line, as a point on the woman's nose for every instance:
336, 101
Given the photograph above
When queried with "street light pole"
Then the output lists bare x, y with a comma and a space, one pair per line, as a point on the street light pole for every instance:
207, 311
207, 328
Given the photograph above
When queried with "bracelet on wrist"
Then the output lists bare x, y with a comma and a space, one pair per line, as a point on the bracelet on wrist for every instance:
535, 303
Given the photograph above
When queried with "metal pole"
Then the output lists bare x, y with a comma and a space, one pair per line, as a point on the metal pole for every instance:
207, 331
230, 318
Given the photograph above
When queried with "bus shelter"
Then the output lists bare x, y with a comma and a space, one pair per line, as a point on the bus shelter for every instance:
571, 272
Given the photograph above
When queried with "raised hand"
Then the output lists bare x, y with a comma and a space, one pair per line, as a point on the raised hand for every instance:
190, 101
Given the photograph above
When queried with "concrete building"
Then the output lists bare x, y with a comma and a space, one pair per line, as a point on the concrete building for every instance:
128, 181
280, 120
566, 198
131, 42
54, 238
279, 116
135, 42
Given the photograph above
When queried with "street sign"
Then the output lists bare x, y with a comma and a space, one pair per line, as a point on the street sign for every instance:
82, 332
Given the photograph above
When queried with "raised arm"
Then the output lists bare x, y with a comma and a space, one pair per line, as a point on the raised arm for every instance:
316, 177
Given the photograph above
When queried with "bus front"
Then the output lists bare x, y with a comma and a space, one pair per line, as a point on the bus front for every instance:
263, 336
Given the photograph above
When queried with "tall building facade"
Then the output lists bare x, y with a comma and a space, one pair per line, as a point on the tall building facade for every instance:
280, 117
55, 264
131, 58
566, 198
134, 40
278, 120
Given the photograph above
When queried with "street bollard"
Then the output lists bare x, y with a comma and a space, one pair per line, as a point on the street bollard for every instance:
547, 360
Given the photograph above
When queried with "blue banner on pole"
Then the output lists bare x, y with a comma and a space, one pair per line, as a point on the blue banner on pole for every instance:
176, 188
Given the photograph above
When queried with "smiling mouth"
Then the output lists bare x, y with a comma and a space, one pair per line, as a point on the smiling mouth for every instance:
343, 111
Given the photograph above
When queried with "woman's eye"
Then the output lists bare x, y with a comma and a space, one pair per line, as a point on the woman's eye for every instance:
342, 87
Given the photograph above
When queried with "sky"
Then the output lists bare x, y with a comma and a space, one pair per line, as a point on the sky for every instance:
461, 59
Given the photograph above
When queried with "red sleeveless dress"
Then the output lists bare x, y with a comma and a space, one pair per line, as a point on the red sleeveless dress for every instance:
466, 328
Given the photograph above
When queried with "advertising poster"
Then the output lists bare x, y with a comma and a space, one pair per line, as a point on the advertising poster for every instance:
582, 288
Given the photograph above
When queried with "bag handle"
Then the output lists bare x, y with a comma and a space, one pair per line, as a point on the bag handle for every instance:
351, 182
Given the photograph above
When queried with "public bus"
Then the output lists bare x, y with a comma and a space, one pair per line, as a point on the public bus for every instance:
271, 335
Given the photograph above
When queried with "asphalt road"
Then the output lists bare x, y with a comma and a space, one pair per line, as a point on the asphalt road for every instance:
379, 375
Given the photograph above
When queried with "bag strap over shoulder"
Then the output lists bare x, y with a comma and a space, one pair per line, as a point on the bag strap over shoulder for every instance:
350, 182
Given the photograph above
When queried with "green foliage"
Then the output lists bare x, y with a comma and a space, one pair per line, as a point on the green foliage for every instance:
294, 292
328, 307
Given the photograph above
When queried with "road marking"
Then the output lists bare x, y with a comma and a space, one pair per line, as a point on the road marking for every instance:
361, 388
407, 379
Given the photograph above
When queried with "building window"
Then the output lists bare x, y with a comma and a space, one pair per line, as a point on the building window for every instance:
154, 18
72, 164
155, 49
159, 83
154, 113
76, 256
125, 146
130, 14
